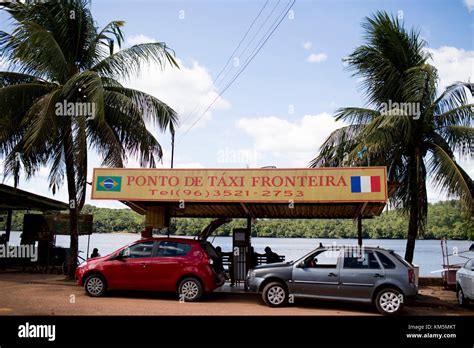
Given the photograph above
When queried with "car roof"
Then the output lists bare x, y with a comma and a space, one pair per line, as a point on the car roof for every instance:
366, 247
170, 239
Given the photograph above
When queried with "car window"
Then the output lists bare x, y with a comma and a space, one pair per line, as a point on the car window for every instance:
401, 259
210, 250
139, 250
324, 259
468, 265
366, 260
173, 249
386, 262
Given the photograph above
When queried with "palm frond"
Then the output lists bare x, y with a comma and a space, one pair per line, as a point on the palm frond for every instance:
40, 122
449, 176
356, 115
129, 61
35, 51
151, 108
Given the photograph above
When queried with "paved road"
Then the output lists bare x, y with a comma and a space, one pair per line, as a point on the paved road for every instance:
33, 294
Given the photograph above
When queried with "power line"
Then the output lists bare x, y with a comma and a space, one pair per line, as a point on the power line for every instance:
242, 70
242, 54
197, 105
241, 41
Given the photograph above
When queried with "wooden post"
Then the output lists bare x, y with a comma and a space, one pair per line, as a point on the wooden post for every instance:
8, 226
359, 230
249, 227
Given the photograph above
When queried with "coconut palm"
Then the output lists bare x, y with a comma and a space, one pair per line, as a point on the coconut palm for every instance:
414, 140
58, 57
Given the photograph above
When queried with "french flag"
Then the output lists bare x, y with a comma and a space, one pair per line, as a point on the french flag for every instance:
365, 183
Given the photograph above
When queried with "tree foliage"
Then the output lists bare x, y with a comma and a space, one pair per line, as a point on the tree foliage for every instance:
406, 126
445, 219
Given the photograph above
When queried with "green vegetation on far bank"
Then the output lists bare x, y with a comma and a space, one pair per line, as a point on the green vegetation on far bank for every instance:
444, 219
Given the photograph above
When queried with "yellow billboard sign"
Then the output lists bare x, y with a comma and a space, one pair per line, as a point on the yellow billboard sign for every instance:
242, 185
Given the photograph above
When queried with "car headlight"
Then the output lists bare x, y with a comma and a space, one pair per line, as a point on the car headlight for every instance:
83, 264
251, 274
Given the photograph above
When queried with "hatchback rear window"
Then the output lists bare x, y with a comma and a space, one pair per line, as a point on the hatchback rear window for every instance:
386, 262
402, 260
210, 250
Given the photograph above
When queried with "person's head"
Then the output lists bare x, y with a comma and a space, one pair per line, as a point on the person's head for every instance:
268, 250
219, 249
95, 251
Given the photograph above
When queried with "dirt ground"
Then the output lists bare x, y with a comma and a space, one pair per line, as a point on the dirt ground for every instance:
33, 294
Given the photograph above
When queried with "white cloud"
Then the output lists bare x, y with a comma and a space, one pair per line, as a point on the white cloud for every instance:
453, 64
188, 90
139, 39
316, 57
469, 4
292, 143
307, 45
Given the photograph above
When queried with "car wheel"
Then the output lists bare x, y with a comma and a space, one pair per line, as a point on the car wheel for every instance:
462, 300
275, 294
389, 301
95, 285
190, 290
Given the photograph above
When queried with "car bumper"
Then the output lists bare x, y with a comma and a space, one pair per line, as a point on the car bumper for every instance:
79, 275
410, 293
253, 283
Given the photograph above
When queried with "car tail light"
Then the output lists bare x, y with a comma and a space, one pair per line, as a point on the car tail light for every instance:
411, 276
207, 259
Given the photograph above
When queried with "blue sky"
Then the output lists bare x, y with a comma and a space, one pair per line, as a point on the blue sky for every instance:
279, 110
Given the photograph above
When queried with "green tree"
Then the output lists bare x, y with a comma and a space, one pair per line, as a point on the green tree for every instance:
393, 65
57, 56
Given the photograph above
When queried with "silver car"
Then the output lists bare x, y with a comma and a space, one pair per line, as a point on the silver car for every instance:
465, 283
367, 274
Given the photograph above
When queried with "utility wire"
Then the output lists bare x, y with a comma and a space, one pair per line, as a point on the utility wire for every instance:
197, 105
242, 54
242, 70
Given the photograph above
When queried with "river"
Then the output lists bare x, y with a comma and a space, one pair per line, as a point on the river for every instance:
427, 252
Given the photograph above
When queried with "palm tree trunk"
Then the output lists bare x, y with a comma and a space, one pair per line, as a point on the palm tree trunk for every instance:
73, 214
412, 233
418, 203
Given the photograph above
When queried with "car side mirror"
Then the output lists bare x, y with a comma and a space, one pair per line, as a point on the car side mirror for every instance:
302, 264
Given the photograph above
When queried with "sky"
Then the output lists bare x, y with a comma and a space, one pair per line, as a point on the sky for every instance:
279, 109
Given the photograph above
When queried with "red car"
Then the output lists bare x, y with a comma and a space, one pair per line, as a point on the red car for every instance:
189, 267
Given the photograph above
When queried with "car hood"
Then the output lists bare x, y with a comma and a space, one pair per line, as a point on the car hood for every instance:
273, 265
97, 259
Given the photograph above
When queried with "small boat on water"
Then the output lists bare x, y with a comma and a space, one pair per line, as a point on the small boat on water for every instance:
449, 270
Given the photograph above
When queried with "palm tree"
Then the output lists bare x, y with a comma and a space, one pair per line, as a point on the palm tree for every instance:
58, 56
416, 137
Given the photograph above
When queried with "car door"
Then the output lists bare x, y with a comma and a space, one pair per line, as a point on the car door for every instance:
466, 279
131, 270
318, 275
167, 264
360, 273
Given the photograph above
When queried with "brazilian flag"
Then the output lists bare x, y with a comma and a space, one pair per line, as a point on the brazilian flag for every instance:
109, 183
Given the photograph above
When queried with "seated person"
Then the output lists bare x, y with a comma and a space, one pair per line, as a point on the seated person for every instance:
312, 262
272, 257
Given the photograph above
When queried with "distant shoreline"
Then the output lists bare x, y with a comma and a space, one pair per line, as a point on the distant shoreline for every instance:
212, 236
